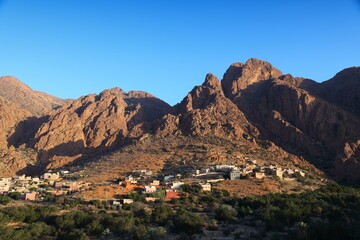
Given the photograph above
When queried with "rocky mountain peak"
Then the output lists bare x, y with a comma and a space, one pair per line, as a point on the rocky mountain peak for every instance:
212, 81
8, 81
239, 76
116, 91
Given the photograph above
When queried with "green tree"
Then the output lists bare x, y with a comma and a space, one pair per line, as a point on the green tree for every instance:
162, 214
4, 200
225, 213
188, 222
15, 195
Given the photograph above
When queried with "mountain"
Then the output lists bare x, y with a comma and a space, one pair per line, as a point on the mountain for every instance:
21, 111
255, 106
206, 110
294, 113
94, 123
10, 115
343, 90
37, 103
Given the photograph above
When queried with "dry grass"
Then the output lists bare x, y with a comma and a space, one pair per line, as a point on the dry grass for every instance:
247, 187
104, 192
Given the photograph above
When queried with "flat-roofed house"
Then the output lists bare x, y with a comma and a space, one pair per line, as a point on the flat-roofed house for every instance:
150, 189
205, 187
30, 196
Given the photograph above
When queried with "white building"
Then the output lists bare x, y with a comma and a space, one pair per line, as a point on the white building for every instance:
177, 185
150, 189
168, 177
224, 167
127, 201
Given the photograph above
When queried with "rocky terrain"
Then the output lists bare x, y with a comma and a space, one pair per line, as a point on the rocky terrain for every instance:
294, 113
37, 103
94, 123
20, 104
254, 105
206, 110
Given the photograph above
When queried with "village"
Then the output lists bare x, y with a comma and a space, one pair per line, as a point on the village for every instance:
144, 182
152, 186
36, 188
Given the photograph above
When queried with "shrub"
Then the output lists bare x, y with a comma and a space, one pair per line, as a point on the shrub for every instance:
188, 222
162, 214
225, 213
15, 195
4, 200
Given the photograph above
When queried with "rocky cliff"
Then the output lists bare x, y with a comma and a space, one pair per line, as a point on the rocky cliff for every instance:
206, 111
299, 114
343, 90
22, 110
11, 159
94, 123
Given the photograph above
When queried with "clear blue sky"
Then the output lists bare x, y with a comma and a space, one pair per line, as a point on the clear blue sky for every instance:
70, 48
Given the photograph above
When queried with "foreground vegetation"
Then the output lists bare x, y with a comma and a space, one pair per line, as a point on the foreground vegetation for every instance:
332, 212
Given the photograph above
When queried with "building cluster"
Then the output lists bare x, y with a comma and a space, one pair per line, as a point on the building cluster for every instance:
248, 170
34, 188
252, 169
144, 181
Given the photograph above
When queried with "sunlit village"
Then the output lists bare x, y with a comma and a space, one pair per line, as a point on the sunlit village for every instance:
143, 181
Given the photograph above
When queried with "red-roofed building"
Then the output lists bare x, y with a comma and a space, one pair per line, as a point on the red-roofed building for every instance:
172, 194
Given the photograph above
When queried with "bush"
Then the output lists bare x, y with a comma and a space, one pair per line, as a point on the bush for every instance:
75, 234
39, 230
225, 213
15, 195
162, 214
188, 222
139, 232
192, 189
4, 200
122, 225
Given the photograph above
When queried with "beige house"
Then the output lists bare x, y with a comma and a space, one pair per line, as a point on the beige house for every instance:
277, 172
155, 183
259, 175
51, 176
150, 189
30, 196
126, 201
206, 187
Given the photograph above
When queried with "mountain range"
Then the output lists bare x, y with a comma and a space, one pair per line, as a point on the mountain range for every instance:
253, 104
